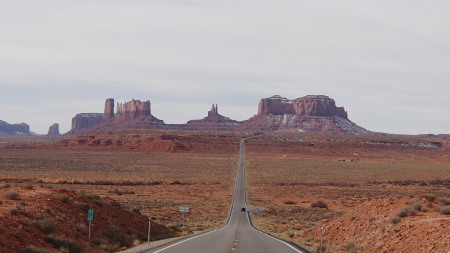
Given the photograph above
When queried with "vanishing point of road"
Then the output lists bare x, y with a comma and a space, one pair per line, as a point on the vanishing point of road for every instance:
237, 235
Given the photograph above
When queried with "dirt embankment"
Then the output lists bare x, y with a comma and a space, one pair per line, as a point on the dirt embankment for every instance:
55, 220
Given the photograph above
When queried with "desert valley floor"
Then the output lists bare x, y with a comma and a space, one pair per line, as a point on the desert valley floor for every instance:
368, 193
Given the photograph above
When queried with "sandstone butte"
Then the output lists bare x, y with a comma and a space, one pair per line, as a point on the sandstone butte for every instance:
14, 129
53, 130
309, 114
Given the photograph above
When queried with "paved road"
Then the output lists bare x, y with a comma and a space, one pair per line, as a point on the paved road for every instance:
237, 235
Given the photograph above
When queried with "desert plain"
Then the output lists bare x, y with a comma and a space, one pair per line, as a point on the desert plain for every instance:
362, 193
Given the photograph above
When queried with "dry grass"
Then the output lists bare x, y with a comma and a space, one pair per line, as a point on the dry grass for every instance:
156, 184
278, 179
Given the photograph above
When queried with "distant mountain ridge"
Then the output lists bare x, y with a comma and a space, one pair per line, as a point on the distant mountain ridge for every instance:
14, 129
310, 114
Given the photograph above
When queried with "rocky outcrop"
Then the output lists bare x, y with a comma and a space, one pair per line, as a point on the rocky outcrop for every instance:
84, 121
133, 109
109, 108
213, 122
275, 105
312, 105
53, 130
14, 129
134, 114
311, 114
317, 106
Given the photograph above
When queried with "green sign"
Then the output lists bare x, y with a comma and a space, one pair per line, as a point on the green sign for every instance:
91, 214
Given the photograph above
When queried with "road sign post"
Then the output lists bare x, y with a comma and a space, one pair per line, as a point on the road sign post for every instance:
183, 210
90, 218
321, 237
149, 227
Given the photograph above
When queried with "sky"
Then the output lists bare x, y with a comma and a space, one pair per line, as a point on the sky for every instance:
386, 62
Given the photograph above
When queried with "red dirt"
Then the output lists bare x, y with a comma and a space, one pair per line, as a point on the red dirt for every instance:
112, 226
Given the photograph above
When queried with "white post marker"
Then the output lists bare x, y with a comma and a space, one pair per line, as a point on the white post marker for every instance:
321, 232
149, 227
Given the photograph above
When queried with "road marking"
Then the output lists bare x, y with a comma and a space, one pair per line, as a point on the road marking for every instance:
248, 215
180, 242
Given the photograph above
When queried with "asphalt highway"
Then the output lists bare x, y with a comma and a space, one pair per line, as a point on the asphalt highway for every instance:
237, 235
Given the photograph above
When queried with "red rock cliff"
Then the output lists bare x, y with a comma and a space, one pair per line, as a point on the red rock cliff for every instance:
53, 130
275, 105
317, 105
133, 109
109, 108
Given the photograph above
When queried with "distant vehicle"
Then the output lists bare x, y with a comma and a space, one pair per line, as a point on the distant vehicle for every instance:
243, 209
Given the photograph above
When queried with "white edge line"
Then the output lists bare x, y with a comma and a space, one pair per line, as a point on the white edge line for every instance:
175, 244
227, 224
248, 219
272, 237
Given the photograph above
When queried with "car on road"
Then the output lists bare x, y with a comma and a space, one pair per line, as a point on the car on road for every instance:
243, 209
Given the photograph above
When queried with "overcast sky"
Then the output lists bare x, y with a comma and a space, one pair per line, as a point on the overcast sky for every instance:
386, 62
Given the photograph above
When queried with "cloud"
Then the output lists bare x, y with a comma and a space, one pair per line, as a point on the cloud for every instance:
377, 59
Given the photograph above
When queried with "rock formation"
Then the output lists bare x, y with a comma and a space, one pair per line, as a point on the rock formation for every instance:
133, 109
317, 106
275, 105
213, 122
109, 108
85, 120
133, 114
312, 114
14, 129
54, 130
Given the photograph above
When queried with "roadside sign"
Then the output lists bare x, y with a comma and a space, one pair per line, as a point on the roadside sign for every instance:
91, 214
184, 210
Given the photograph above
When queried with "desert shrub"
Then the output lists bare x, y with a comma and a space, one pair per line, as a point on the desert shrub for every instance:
48, 210
445, 201
88, 195
407, 211
177, 183
99, 202
81, 228
395, 219
25, 222
15, 211
176, 228
1, 201
5, 186
430, 198
32, 249
97, 241
417, 206
115, 236
59, 242
290, 202
21, 205
136, 235
402, 213
84, 206
44, 223
445, 210
351, 248
64, 198
28, 187
319, 204
12, 194
120, 192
